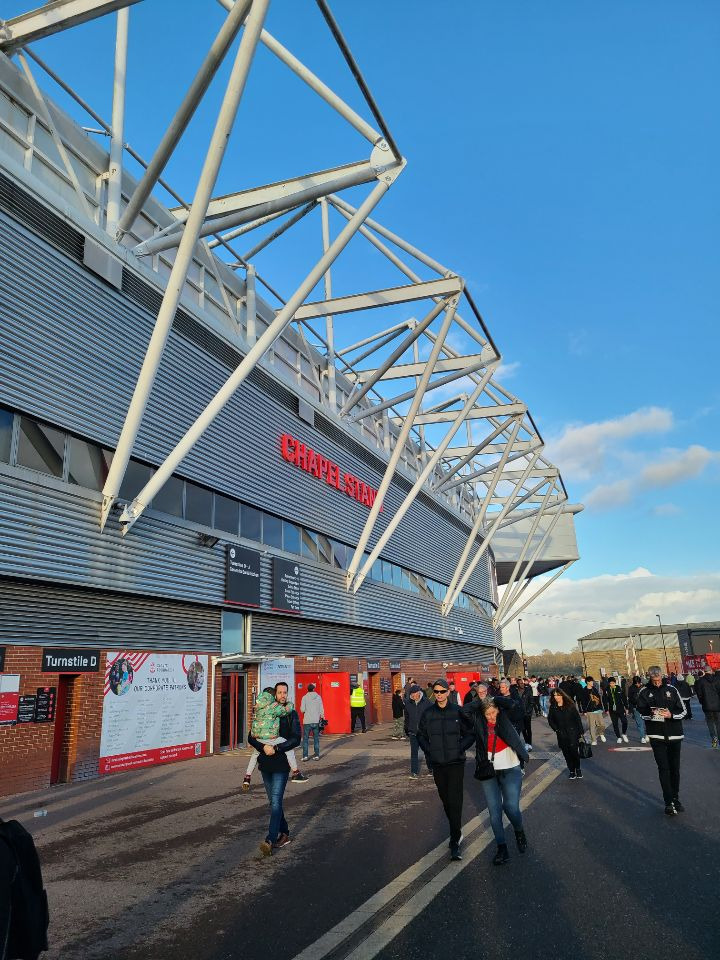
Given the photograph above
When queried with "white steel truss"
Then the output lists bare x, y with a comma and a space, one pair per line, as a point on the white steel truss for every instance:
445, 420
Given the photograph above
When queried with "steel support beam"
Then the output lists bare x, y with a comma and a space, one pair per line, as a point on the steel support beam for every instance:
450, 308
265, 341
479, 413
117, 136
533, 597
381, 298
329, 323
405, 370
178, 275
184, 114
52, 18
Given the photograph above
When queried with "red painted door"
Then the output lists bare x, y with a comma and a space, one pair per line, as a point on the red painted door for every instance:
462, 679
61, 718
335, 693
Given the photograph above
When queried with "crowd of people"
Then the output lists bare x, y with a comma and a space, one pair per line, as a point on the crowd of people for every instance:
497, 718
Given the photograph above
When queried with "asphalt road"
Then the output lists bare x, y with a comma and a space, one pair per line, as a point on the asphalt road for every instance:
162, 864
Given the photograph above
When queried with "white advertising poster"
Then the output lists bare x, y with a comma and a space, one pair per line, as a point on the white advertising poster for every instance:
154, 709
279, 670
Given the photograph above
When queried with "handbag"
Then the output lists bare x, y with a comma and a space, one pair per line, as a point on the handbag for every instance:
584, 749
484, 768
322, 724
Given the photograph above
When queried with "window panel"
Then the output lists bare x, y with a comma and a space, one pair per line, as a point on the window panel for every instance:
40, 447
341, 555
291, 537
396, 576
250, 523
272, 531
136, 476
233, 632
227, 514
376, 571
309, 545
387, 572
6, 426
198, 504
89, 464
169, 499
325, 550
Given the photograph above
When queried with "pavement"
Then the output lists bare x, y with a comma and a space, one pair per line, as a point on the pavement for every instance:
163, 864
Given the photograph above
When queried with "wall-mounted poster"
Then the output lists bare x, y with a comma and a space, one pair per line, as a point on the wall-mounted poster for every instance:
154, 709
9, 699
279, 670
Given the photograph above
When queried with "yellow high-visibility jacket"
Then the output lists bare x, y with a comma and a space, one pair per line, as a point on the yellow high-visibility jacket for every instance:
357, 697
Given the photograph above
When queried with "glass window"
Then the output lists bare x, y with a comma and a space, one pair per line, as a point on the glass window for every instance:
309, 545
6, 426
169, 499
227, 514
40, 447
325, 549
376, 571
89, 464
250, 522
340, 555
136, 476
198, 504
386, 572
233, 632
272, 531
396, 576
291, 537
406, 585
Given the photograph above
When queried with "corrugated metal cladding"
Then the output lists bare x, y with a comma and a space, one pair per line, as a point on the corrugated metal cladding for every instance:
74, 347
281, 635
51, 532
38, 614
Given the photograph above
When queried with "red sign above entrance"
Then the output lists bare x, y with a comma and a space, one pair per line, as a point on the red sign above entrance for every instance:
297, 453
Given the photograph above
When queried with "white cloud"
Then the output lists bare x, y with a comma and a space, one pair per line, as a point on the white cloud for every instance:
581, 451
666, 510
507, 370
674, 466
573, 608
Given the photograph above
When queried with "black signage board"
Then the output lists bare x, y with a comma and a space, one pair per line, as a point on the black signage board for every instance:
385, 685
353, 680
70, 660
26, 710
242, 576
286, 586
45, 704
395, 665
336, 666
2, 659
373, 664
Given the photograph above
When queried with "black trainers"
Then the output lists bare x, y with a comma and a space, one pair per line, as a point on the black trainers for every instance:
670, 810
455, 853
299, 778
578, 775
521, 840
678, 806
572, 775
502, 856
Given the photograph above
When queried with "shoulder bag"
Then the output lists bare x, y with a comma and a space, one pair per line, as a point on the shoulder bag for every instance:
484, 767
584, 749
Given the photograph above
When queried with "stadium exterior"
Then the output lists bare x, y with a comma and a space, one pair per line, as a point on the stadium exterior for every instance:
324, 515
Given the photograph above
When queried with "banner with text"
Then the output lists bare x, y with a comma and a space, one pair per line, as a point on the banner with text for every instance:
279, 670
154, 709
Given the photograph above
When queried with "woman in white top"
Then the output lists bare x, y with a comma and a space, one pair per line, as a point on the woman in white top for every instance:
501, 756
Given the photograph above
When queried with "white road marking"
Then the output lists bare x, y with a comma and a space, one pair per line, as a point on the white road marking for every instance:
336, 935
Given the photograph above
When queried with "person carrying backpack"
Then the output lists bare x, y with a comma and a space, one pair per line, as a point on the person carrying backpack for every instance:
23, 902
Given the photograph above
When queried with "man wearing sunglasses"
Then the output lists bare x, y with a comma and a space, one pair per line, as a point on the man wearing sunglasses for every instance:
444, 734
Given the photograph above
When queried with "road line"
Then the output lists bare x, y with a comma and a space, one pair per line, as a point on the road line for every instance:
336, 935
397, 922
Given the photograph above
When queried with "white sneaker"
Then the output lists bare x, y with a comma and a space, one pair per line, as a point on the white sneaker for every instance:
593, 743
619, 739
602, 737
528, 747
625, 739
644, 740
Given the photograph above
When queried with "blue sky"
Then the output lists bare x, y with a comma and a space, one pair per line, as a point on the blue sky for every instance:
563, 157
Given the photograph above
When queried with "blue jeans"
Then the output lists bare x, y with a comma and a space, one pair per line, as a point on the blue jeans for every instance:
640, 723
544, 704
275, 784
415, 755
503, 793
307, 728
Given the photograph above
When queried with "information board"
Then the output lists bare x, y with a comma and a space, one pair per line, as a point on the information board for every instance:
385, 685
45, 704
26, 709
9, 698
242, 576
286, 586
278, 670
154, 709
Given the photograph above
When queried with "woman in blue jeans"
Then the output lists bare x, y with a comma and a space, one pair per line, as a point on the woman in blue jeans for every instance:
498, 740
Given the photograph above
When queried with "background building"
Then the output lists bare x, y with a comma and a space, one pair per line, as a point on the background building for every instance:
625, 649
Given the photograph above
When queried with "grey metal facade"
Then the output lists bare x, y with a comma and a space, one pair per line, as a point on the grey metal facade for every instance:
58, 320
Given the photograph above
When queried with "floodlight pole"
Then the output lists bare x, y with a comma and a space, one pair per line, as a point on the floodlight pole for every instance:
662, 634
163, 473
191, 233
117, 137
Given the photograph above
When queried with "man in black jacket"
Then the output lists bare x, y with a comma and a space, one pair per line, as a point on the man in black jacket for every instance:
398, 712
662, 708
517, 711
616, 705
275, 771
708, 693
528, 701
444, 733
415, 705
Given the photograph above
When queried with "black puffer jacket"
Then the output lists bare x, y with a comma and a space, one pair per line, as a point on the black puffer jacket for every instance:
566, 723
398, 707
445, 735
614, 700
413, 712
708, 692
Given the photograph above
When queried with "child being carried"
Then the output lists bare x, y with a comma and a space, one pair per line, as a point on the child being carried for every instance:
266, 727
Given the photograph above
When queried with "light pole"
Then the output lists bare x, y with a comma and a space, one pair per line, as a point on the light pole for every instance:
522, 652
667, 665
